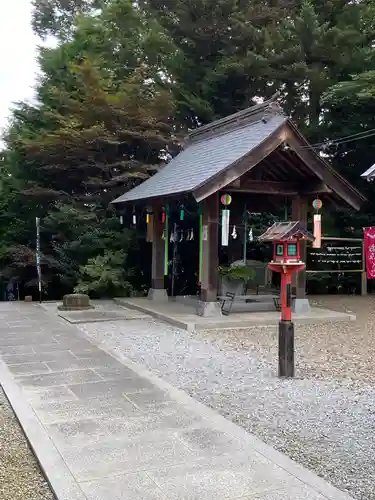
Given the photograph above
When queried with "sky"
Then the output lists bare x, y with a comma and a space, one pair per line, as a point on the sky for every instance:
18, 52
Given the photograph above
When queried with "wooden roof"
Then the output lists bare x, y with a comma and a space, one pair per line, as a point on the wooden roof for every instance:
223, 152
285, 231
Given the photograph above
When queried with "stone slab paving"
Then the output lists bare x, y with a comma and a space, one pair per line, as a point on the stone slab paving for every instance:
106, 429
95, 316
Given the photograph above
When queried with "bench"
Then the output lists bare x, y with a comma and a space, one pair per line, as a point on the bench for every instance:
230, 297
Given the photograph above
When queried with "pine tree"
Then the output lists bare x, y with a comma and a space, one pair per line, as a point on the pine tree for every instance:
101, 125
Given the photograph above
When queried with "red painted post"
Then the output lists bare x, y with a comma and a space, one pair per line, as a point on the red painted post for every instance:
286, 238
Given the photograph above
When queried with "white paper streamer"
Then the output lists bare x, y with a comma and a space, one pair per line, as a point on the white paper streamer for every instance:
225, 227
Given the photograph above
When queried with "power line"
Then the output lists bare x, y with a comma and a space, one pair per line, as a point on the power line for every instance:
341, 140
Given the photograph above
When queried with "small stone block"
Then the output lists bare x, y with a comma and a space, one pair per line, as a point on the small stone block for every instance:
28, 298
75, 302
301, 306
157, 295
209, 309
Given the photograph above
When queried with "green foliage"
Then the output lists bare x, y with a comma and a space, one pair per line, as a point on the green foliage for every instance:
102, 123
124, 81
104, 276
238, 273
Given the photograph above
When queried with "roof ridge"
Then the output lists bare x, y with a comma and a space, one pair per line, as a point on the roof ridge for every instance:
246, 116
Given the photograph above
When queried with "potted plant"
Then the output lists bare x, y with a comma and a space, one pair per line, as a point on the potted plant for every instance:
236, 278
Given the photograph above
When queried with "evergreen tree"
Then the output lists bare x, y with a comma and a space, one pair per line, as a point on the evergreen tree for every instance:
98, 129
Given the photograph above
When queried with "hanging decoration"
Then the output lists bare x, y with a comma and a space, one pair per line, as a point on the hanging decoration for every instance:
163, 215
234, 233
134, 218
317, 205
150, 229
225, 227
121, 220
200, 243
148, 214
166, 239
163, 235
244, 221
226, 200
182, 213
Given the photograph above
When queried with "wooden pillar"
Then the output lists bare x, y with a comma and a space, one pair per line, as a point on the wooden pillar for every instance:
363, 273
157, 290
210, 258
299, 213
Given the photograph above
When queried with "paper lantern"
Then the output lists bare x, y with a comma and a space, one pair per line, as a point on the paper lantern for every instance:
226, 199
317, 204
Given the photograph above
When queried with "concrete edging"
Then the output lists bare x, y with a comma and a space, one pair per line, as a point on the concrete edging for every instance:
198, 325
162, 317
54, 468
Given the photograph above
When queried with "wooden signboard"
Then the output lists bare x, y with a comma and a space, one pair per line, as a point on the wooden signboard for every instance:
344, 257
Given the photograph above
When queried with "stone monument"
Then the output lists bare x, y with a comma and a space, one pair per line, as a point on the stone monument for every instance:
76, 302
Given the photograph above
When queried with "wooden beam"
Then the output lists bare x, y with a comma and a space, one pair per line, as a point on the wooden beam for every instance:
278, 188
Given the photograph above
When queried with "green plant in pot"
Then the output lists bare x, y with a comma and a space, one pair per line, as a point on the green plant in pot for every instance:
238, 274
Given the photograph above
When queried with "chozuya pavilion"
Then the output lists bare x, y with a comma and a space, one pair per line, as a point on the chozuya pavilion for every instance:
257, 154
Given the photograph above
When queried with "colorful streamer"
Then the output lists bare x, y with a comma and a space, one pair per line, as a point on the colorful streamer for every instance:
150, 229
317, 205
166, 240
317, 243
225, 227
200, 243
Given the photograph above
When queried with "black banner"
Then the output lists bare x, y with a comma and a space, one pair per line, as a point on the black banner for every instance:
332, 257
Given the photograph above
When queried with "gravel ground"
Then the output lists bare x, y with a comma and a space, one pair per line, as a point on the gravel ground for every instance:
20, 477
324, 418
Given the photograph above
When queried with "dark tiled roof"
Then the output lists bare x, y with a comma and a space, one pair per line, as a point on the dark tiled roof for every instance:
209, 151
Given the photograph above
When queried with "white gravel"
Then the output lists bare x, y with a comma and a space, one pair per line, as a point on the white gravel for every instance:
323, 419
20, 476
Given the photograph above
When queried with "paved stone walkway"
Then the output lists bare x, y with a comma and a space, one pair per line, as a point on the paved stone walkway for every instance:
105, 429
